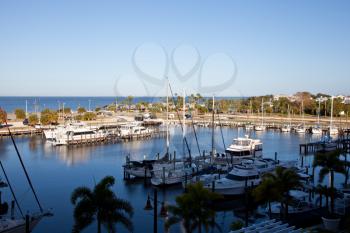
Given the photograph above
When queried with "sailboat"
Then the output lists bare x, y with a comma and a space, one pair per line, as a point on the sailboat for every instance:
261, 127
318, 129
332, 130
287, 128
25, 223
302, 128
164, 174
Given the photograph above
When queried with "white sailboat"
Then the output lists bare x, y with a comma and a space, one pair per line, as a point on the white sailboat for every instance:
332, 130
287, 128
318, 129
261, 127
301, 129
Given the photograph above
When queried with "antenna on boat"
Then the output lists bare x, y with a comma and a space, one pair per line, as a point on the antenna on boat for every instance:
24, 168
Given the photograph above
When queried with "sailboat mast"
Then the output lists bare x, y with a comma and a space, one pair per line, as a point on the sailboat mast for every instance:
331, 123
212, 132
319, 111
184, 115
167, 116
262, 111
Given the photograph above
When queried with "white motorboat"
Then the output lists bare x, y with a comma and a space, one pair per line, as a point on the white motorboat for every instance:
133, 129
301, 130
260, 128
317, 130
238, 179
72, 134
245, 148
248, 173
18, 225
286, 129
299, 204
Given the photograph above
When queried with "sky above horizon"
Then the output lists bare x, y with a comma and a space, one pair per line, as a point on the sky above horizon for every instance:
226, 48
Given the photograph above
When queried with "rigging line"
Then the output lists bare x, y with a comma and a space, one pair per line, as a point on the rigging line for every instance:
195, 134
178, 116
13, 193
24, 168
222, 135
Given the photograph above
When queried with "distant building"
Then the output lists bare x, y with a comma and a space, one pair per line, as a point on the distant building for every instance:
277, 97
346, 100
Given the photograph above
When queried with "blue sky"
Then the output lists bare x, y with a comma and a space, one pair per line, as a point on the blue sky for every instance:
86, 48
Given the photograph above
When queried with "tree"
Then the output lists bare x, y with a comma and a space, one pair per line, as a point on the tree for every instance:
20, 114
48, 116
89, 116
102, 205
193, 209
3, 116
267, 191
81, 110
330, 162
33, 119
283, 180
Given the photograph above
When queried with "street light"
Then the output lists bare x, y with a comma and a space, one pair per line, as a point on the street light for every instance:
163, 210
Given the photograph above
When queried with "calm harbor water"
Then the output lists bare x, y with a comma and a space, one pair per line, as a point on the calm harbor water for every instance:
56, 171
38, 103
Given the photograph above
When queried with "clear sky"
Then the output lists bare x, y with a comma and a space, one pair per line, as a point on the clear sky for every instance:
87, 48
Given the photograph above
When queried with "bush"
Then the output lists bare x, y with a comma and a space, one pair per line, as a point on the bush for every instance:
33, 119
3, 116
89, 116
48, 117
81, 110
78, 117
20, 114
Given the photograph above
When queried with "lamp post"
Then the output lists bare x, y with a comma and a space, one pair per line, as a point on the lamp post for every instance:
163, 210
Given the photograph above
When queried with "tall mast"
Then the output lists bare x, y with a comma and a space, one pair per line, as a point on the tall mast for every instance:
319, 111
331, 123
262, 111
212, 133
184, 115
167, 116
302, 108
290, 119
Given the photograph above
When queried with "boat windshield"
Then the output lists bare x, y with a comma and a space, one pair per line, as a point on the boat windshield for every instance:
241, 142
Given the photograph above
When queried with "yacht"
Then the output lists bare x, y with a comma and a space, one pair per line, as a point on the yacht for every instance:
333, 131
133, 129
248, 173
83, 133
244, 148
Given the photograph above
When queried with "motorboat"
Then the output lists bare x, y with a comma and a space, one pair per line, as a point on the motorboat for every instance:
301, 130
260, 128
245, 148
300, 203
236, 181
286, 129
333, 131
133, 129
317, 130
83, 133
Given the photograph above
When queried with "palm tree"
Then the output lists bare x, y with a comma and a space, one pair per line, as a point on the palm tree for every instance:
330, 163
101, 204
193, 210
283, 180
266, 192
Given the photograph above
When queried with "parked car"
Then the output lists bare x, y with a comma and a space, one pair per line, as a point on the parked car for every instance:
25, 122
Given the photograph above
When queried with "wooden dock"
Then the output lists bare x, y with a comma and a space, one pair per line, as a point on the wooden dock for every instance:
20, 131
312, 147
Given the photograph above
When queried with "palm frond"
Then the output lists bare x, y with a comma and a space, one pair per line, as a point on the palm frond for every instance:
80, 192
